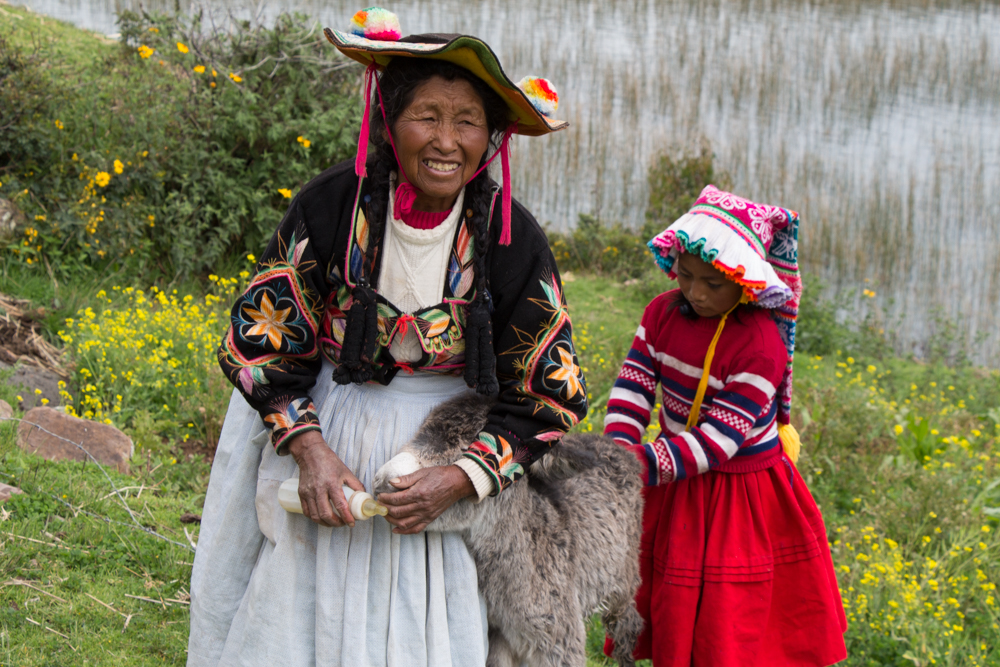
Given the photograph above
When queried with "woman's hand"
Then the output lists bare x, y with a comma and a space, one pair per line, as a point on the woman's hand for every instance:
424, 495
321, 476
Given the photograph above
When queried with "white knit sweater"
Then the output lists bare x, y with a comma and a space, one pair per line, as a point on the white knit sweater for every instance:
414, 267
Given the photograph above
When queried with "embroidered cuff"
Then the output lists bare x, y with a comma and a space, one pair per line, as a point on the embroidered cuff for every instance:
289, 419
480, 479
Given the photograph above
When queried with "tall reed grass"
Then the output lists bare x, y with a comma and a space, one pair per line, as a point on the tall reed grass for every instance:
878, 121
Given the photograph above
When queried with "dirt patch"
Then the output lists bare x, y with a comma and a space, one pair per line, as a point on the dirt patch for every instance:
193, 449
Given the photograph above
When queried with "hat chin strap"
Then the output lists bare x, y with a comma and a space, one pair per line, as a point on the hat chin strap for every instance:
406, 192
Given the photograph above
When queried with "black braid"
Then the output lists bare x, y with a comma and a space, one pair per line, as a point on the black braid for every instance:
361, 327
480, 357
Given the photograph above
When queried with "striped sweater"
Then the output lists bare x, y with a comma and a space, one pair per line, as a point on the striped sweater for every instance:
737, 429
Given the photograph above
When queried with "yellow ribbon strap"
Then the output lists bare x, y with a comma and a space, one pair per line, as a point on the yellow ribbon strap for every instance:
703, 384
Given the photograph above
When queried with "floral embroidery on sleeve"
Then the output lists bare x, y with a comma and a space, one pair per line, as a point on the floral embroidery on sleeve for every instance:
270, 352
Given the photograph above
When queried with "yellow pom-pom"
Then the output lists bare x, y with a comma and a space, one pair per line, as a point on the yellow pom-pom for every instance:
790, 441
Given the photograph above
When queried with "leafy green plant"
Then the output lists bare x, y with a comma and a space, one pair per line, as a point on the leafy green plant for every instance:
173, 150
917, 439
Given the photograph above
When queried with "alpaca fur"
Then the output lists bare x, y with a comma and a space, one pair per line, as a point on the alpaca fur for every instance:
550, 550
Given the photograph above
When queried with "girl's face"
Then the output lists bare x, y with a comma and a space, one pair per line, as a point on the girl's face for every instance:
706, 288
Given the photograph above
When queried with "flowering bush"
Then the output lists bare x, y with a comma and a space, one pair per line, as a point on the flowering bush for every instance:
146, 361
116, 182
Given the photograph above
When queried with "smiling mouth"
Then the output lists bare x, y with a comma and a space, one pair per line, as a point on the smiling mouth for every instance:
441, 166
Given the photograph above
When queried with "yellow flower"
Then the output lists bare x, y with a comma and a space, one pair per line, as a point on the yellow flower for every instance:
899, 429
235, 77
251, 258
182, 48
119, 167
145, 51
985, 529
59, 124
200, 69
152, 220
305, 142
154, 29
285, 192
102, 179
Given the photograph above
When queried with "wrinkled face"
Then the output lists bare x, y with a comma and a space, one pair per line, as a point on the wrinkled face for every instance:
706, 288
441, 138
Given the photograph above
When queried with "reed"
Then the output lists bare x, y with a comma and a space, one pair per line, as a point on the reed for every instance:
878, 121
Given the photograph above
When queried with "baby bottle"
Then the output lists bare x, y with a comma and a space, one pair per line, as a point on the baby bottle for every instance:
363, 505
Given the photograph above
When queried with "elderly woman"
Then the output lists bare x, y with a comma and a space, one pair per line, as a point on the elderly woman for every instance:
392, 284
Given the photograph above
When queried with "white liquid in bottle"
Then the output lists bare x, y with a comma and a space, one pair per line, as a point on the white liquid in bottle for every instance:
363, 505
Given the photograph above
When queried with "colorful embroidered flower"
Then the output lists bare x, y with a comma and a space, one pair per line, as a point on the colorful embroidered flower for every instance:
269, 322
568, 373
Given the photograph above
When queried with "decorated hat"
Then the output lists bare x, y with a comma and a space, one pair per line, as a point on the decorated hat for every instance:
756, 246
375, 38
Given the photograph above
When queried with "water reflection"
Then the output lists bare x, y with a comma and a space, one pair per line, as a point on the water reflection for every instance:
878, 122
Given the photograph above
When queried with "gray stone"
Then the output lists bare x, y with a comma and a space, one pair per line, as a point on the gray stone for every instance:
6, 491
106, 444
11, 220
26, 379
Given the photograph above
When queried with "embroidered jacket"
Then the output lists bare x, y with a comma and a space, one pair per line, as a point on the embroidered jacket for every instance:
294, 310
737, 430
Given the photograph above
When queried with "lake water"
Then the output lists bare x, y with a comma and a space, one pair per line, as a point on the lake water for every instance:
878, 121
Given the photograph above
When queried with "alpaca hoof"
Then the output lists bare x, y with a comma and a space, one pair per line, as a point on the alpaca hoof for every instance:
401, 464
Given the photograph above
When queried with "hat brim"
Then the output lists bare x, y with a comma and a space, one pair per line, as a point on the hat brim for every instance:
715, 243
463, 50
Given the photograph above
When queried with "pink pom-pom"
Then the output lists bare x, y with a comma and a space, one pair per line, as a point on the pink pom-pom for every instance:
376, 23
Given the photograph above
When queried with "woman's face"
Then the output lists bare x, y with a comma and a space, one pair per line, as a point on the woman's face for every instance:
441, 138
706, 288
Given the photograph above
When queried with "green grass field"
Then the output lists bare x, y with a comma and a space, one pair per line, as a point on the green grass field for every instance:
911, 515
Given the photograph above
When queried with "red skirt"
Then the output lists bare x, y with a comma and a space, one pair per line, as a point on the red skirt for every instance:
736, 572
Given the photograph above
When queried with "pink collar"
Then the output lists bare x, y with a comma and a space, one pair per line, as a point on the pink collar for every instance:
423, 219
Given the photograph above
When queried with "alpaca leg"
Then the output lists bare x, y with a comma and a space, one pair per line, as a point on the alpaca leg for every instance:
401, 464
568, 649
624, 625
501, 653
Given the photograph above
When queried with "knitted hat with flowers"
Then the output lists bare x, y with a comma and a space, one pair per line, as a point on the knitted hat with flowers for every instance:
756, 246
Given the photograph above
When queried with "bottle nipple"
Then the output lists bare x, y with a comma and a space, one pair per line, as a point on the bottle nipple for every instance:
371, 507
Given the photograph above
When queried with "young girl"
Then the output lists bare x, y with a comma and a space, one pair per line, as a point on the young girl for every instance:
736, 570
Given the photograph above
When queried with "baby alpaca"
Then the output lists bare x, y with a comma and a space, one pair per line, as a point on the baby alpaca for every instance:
550, 550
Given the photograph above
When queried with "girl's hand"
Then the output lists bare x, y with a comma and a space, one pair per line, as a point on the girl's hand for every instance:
424, 496
321, 476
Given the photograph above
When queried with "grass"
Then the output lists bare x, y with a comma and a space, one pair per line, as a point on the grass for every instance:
901, 455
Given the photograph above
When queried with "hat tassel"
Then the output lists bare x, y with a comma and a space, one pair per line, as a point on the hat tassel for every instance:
362, 158
790, 441
505, 166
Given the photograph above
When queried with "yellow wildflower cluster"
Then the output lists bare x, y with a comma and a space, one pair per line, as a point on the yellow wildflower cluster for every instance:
146, 351
940, 600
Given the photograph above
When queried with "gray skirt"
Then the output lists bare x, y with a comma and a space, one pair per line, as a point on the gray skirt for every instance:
271, 588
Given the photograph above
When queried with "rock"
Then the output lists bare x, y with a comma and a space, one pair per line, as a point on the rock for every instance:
30, 378
6, 491
6, 412
190, 517
105, 443
11, 220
